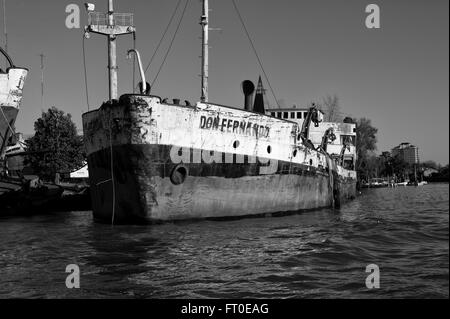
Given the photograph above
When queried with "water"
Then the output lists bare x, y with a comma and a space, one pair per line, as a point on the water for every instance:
320, 254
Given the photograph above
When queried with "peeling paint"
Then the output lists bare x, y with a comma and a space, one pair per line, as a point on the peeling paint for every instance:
141, 147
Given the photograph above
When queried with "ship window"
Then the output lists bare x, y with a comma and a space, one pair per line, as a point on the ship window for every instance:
279, 115
294, 153
269, 149
310, 161
178, 175
273, 113
236, 144
299, 115
305, 114
285, 115
292, 115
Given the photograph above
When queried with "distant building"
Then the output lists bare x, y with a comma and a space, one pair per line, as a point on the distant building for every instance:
408, 152
293, 114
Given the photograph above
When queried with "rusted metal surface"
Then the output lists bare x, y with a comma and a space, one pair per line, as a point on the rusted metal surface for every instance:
11, 93
236, 162
11, 87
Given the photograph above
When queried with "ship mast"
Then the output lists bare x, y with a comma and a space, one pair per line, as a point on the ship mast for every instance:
116, 24
204, 23
112, 55
4, 26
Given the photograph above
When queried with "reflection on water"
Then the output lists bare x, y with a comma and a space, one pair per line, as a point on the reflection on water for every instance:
308, 255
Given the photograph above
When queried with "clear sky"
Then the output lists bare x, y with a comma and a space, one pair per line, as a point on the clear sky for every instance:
398, 75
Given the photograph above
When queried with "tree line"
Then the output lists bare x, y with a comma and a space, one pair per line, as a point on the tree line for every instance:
368, 163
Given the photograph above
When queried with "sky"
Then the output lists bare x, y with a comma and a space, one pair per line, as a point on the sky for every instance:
397, 75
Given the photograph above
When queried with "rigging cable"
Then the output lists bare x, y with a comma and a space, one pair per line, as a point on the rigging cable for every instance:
113, 215
254, 50
85, 73
134, 62
163, 36
171, 42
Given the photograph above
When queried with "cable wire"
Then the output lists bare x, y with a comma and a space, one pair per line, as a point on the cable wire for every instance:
113, 215
171, 43
163, 36
85, 73
134, 62
256, 53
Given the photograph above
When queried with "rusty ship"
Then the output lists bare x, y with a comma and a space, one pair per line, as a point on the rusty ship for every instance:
151, 159
12, 80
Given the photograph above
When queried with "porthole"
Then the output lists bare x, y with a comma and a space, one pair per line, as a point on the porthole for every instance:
269, 149
179, 174
236, 144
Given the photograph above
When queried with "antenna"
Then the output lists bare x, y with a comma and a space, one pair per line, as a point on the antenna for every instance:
204, 23
42, 81
110, 24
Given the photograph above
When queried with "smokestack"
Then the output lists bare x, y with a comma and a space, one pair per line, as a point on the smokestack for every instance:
259, 98
248, 88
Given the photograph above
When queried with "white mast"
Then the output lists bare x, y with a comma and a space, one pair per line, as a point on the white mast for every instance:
204, 23
112, 55
4, 26
116, 24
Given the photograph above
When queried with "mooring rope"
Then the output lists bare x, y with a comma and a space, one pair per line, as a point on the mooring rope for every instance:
112, 172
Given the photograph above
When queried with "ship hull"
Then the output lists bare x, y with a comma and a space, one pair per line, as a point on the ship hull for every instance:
144, 189
11, 93
141, 170
7, 120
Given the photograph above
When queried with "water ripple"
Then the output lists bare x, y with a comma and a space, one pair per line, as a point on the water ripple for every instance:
320, 254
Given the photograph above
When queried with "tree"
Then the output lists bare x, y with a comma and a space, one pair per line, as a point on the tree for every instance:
366, 144
331, 109
429, 164
55, 146
400, 168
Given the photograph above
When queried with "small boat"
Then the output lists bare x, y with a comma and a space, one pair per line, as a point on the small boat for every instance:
26, 196
401, 184
417, 183
18, 194
376, 183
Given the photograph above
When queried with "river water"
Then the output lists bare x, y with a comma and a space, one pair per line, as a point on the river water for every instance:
317, 254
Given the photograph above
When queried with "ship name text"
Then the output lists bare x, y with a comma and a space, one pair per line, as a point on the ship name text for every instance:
234, 126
